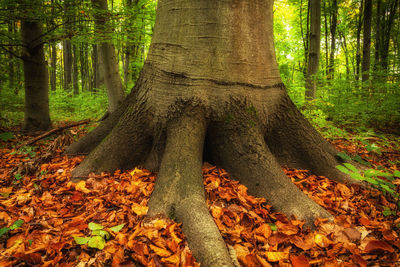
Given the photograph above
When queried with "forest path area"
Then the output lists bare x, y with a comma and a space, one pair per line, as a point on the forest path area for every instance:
46, 220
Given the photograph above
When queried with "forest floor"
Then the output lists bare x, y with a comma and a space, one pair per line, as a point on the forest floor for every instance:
47, 220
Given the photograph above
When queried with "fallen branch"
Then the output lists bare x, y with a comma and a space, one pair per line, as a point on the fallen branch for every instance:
37, 138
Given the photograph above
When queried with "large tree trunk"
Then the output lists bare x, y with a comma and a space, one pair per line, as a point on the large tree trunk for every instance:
366, 59
36, 116
109, 61
210, 90
314, 47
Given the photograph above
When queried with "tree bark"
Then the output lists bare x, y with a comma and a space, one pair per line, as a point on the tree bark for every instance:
108, 60
210, 89
358, 49
366, 60
36, 116
314, 48
331, 68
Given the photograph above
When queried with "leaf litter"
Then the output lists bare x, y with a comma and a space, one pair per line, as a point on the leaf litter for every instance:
52, 213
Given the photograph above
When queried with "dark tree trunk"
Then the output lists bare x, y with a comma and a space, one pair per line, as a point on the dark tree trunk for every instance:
36, 116
75, 70
11, 67
331, 68
53, 67
366, 61
358, 49
210, 88
109, 61
378, 40
314, 47
96, 83
326, 39
67, 46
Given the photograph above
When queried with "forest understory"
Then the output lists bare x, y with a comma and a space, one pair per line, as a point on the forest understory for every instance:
47, 220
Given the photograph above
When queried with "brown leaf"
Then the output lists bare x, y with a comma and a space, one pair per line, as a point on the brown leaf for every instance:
274, 256
378, 245
299, 261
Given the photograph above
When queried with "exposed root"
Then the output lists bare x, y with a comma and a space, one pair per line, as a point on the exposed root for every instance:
245, 155
295, 143
179, 191
127, 145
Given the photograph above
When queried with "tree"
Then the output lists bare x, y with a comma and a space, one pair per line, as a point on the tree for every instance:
366, 59
210, 89
314, 47
108, 59
37, 116
331, 66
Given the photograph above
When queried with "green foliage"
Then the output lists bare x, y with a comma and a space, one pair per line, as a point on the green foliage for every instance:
29, 151
17, 224
6, 136
98, 236
378, 179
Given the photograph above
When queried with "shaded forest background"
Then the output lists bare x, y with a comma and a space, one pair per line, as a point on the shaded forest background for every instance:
357, 82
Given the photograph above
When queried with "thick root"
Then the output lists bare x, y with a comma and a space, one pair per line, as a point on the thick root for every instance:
127, 145
179, 191
295, 143
245, 155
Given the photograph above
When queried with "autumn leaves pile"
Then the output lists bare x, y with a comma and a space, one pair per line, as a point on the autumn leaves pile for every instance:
55, 211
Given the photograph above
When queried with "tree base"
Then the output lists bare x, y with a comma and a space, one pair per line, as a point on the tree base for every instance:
249, 138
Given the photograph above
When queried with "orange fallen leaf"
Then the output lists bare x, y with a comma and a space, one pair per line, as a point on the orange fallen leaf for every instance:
299, 261
274, 256
378, 245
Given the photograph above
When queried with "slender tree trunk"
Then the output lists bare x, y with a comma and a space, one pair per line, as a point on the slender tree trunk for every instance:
11, 67
331, 69
314, 48
95, 67
75, 70
67, 46
53, 66
326, 40
366, 62
378, 40
346, 54
109, 61
36, 116
358, 49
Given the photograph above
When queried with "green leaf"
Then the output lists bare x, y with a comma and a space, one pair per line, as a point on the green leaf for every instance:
97, 242
30, 241
117, 228
396, 173
17, 224
387, 212
102, 233
4, 231
343, 156
351, 167
81, 240
343, 169
6, 136
273, 227
358, 176
94, 226
362, 161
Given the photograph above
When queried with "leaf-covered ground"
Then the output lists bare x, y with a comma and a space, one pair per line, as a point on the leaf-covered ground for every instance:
43, 215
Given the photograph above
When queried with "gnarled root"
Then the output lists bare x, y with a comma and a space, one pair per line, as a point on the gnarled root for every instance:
179, 191
243, 152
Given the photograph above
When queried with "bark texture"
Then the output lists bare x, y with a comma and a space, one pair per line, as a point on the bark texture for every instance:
108, 59
36, 116
210, 90
366, 59
314, 48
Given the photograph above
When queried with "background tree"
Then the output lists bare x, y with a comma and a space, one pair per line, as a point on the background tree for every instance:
109, 61
366, 62
314, 47
35, 71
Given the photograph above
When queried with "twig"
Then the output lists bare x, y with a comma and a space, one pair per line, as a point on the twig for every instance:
30, 142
